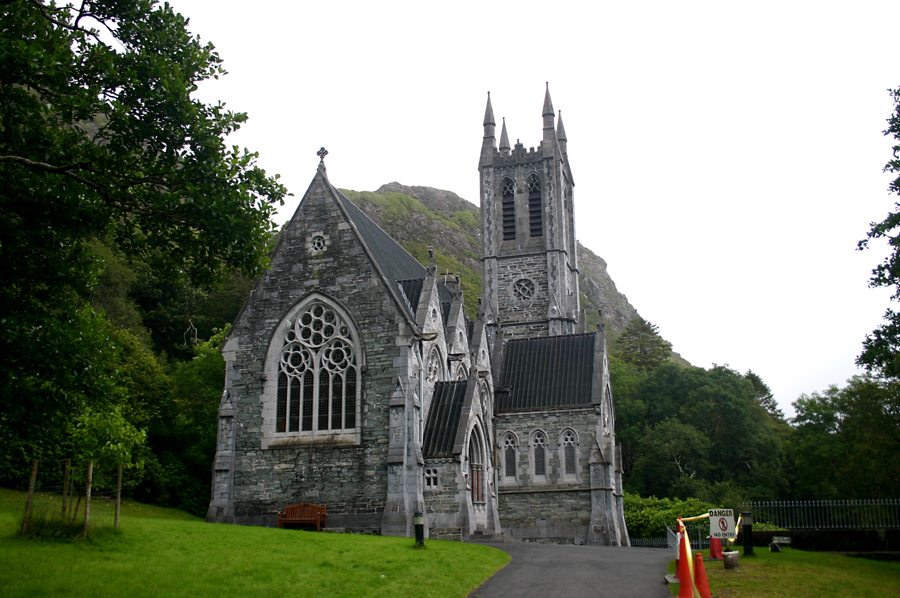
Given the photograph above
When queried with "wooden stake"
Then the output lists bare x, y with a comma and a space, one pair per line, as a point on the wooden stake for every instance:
27, 519
118, 496
66, 487
87, 497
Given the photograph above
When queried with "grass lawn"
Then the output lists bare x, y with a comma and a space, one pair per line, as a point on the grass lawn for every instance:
800, 574
164, 552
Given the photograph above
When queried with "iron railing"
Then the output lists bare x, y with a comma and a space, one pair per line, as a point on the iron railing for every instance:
649, 542
827, 514
698, 533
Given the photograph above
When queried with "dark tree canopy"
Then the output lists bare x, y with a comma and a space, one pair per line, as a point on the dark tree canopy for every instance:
847, 441
641, 345
881, 349
102, 145
764, 394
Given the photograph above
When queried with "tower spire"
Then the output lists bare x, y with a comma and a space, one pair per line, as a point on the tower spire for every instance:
548, 105
504, 140
549, 143
489, 117
561, 134
487, 145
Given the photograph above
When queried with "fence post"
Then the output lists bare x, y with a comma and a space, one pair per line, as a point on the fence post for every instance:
27, 518
118, 496
65, 487
87, 497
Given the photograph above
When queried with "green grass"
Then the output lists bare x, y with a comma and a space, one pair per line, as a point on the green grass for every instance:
163, 552
800, 574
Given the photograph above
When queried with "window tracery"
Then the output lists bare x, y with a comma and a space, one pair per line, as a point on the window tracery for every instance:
317, 374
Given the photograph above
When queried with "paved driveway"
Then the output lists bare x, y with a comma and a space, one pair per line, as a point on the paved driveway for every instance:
548, 570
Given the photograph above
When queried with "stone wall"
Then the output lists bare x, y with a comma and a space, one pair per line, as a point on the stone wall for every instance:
350, 479
556, 506
443, 512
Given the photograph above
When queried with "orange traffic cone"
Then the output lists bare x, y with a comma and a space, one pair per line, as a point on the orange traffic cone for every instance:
715, 549
685, 579
700, 577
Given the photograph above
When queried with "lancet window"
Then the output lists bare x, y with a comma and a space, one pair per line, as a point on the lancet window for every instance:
476, 467
509, 456
570, 460
539, 444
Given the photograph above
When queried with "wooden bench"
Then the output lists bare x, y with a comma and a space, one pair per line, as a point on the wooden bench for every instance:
304, 513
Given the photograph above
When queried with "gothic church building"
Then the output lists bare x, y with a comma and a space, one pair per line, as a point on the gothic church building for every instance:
355, 380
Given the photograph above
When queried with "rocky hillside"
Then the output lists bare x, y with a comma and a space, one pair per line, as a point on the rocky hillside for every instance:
419, 217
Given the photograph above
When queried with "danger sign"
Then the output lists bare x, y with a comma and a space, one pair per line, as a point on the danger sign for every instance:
721, 524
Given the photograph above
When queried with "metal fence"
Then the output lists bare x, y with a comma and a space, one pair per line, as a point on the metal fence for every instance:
827, 514
698, 533
649, 542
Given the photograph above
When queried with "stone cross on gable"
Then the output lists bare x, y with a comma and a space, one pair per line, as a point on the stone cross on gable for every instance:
322, 153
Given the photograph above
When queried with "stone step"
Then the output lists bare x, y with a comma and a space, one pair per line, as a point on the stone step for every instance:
480, 536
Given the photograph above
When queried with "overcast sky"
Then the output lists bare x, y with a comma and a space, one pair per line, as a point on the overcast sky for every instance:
727, 156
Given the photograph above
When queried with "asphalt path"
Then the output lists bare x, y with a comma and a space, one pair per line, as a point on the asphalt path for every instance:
549, 570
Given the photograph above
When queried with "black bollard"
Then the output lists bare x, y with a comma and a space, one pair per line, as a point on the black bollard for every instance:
747, 531
419, 521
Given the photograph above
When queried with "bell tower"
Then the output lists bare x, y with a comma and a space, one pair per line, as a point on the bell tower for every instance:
529, 264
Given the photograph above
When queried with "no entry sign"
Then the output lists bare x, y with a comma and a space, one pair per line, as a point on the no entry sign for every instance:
721, 524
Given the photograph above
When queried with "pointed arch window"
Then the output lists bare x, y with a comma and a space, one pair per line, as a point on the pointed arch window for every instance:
539, 446
318, 374
569, 443
435, 367
508, 202
535, 212
509, 456
476, 467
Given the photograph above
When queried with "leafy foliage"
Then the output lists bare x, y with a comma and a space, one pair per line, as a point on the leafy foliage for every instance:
117, 187
648, 517
881, 349
641, 345
764, 395
847, 441
690, 432
182, 436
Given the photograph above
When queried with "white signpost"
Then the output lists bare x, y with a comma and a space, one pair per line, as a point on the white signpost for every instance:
721, 524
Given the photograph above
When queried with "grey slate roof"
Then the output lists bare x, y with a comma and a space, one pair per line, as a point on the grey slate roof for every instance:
546, 373
444, 418
396, 263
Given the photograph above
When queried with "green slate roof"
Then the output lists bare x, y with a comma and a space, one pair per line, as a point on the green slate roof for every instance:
553, 372
444, 418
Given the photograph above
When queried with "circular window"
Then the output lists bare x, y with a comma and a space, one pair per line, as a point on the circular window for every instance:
317, 243
524, 289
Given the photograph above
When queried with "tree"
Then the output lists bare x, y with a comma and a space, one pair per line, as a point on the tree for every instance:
101, 141
641, 345
764, 395
847, 441
881, 349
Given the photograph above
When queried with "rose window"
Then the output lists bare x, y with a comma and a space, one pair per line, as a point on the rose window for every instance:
523, 289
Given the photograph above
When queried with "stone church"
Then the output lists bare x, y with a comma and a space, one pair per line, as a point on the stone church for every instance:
355, 380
